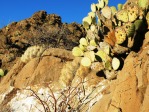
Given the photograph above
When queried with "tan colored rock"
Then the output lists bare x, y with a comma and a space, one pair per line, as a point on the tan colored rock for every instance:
145, 104
129, 92
41, 70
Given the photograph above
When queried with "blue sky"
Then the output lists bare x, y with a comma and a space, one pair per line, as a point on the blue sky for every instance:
69, 10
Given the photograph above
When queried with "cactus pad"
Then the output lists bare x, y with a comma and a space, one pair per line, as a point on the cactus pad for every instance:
93, 7
101, 3
122, 15
143, 3
119, 6
91, 14
93, 27
113, 9
76, 51
129, 28
106, 2
115, 63
138, 24
83, 48
103, 55
1, 72
106, 12
83, 41
133, 12
93, 43
87, 19
90, 55
85, 61
108, 65
120, 35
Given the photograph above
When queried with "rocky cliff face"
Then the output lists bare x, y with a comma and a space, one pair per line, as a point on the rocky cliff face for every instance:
56, 81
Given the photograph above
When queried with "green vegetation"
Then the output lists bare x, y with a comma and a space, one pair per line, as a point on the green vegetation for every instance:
111, 33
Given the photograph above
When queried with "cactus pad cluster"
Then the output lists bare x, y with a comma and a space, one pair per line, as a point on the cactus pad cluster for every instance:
111, 33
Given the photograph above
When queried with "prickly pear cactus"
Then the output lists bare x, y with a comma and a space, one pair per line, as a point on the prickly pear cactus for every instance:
110, 34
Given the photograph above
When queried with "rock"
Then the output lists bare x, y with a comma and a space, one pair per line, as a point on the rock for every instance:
40, 29
58, 74
57, 69
129, 92
38, 70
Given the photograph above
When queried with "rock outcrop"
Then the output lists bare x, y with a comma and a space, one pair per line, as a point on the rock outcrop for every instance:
56, 81
129, 91
41, 28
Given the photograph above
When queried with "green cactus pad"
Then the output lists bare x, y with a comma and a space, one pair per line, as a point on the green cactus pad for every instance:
106, 12
97, 6
1, 72
83, 48
106, 2
85, 61
119, 7
90, 55
120, 35
93, 7
92, 14
76, 51
143, 3
138, 24
86, 25
93, 42
108, 65
87, 19
122, 15
113, 9
133, 12
83, 41
94, 20
130, 29
100, 4
102, 55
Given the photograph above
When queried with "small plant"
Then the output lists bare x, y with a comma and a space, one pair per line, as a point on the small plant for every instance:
68, 99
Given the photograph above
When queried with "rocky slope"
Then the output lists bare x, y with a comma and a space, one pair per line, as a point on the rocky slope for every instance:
56, 81
41, 28
127, 93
